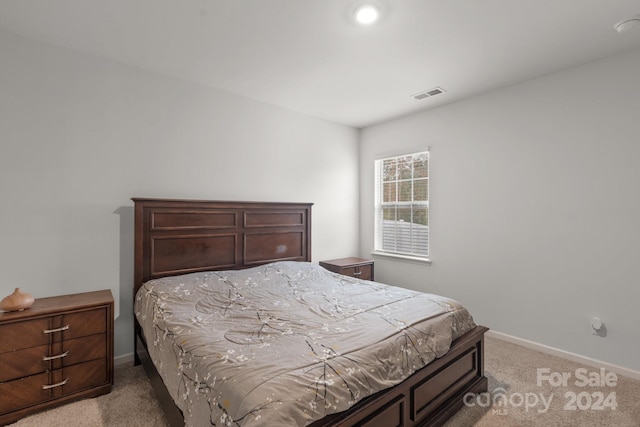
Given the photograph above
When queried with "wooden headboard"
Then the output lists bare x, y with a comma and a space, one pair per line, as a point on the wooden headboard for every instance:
183, 236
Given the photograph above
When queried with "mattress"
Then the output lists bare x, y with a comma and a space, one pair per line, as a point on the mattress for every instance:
287, 343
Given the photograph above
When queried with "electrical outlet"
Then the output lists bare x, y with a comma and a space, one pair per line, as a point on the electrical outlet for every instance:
598, 327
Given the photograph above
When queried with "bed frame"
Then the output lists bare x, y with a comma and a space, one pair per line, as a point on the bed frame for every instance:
183, 236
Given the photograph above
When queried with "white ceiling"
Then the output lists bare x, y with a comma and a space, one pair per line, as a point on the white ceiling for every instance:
308, 55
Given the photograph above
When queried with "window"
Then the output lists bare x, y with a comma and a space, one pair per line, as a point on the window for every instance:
402, 205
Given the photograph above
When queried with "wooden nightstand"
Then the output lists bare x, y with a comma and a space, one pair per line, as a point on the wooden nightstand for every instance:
354, 267
58, 350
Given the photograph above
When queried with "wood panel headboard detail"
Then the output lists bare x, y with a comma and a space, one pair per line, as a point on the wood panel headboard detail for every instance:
184, 236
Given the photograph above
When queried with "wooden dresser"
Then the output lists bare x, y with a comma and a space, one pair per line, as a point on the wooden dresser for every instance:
354, 267
58, 350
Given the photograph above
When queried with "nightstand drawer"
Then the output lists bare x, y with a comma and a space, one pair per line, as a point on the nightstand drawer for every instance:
359, 272
353, 267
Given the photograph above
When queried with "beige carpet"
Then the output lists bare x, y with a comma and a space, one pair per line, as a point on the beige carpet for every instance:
512, 371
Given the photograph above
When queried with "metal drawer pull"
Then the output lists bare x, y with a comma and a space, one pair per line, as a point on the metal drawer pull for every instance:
50, 331
59, 356
357, 273
61, 383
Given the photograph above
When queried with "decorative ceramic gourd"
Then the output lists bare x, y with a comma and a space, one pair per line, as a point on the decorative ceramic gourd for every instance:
17, 301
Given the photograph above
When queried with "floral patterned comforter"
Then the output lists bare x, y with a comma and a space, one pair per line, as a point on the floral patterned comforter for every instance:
287, 343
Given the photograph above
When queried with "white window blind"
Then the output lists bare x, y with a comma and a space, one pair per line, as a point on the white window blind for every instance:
402, 205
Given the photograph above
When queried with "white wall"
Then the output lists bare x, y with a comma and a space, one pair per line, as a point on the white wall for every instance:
535, 218
80, 136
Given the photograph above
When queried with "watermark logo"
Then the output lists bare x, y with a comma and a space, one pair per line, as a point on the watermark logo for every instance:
500, 400
582, 377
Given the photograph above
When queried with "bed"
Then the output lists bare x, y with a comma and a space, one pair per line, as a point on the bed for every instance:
213, 255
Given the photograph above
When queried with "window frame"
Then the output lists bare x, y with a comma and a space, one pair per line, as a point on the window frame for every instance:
413, 254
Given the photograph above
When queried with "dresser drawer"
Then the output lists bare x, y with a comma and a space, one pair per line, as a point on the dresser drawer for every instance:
84, 323
24, 334
39, 359
23, 392
22, 363
84, 349
80, 377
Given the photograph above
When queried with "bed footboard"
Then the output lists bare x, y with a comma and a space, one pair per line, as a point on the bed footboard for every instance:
430, 396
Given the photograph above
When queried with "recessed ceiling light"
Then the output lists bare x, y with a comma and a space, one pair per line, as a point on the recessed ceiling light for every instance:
367, 14
627, 24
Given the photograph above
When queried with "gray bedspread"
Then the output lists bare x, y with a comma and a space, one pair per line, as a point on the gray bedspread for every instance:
287, 343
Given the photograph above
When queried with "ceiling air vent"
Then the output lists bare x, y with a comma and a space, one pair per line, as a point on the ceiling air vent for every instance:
428, 93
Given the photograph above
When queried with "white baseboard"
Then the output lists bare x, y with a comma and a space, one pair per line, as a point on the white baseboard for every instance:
625, 372
123, 359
